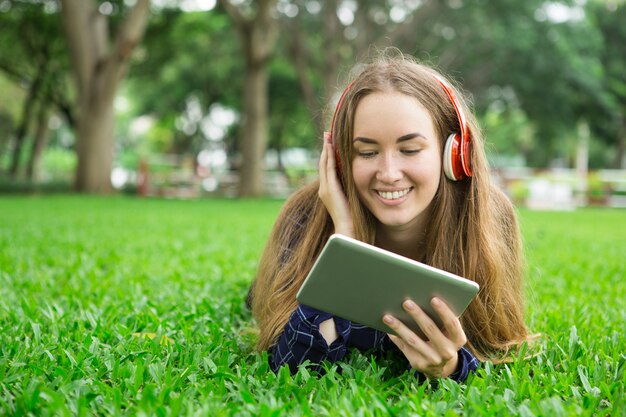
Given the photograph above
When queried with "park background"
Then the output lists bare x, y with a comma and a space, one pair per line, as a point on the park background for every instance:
129, 128
197, 97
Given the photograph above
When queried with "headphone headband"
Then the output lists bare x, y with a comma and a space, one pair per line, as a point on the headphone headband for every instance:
459, 112
460, 160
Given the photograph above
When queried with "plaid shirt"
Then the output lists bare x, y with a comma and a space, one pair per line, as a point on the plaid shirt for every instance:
302, 340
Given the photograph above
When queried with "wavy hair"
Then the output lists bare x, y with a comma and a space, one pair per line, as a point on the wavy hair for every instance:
473, 230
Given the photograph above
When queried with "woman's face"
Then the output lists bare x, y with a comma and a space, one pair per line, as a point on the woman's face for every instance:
396, 163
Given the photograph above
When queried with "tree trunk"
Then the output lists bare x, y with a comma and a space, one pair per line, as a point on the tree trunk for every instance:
20, 134
40, 141
254, 128
620, 156
94, 148
333, 38
27, 115
99, 67
258, 37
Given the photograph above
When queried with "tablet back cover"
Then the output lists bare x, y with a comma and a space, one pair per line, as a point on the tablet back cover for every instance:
361, 283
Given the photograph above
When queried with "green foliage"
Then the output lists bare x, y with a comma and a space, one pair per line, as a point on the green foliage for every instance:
542, 75
9, 108
610, 124
522, 60
184, 56
79, 277
291, 124
58, 163
508, 132
23, 186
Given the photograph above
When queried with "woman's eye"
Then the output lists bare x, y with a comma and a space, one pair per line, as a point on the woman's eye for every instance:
410, 151
366, 154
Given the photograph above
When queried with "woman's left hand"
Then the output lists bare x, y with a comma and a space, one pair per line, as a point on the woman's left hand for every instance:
436, 357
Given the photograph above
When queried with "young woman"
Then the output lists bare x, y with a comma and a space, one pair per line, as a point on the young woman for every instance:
404, 169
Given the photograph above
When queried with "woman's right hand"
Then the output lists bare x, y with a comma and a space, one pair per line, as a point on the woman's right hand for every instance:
331, 193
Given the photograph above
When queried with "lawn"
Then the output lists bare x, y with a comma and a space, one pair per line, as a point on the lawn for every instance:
123, 306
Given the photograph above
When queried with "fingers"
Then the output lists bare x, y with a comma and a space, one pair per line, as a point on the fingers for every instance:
326, 157
451, 324
407, 338
452, 330
322, 166
331, 193
419, 352
420, 355
439, 351
331, 164
329, 182
324, 154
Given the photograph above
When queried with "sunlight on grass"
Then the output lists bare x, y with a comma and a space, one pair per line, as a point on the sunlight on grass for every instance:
125, 306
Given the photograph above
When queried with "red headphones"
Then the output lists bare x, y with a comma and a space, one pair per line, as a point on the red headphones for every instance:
457, 150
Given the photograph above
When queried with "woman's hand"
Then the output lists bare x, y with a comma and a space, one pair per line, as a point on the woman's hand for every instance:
438, 356
331, 193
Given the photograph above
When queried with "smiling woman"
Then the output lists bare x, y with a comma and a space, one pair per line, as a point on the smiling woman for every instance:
404, 169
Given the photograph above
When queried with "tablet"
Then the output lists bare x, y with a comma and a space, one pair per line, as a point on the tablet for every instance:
361, 283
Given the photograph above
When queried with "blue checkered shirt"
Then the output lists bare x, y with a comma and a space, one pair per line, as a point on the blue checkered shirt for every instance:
301, 340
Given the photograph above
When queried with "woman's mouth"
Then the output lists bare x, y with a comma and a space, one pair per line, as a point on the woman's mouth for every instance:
394, 195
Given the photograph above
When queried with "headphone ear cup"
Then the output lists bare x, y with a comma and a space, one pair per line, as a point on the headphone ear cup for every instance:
465, 154
456, 158
451, 158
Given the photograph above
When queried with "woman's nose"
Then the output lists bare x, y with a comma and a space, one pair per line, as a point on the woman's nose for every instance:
389, 170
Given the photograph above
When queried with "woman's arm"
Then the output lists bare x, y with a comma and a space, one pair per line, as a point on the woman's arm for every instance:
306, 337
329, 331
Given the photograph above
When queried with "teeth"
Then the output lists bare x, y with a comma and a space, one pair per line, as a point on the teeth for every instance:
393, 195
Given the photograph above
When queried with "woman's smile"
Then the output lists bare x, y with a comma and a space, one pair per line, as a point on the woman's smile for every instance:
394, 197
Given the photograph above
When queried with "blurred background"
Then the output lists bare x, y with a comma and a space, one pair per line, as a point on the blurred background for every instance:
196, 98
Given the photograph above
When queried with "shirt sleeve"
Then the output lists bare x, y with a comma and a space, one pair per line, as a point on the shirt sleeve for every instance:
301, 340
467, 363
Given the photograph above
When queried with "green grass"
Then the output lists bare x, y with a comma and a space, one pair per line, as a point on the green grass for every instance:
79, 276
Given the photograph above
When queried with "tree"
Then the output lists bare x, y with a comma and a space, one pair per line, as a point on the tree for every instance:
190, 54
540, 67
257, 31
32, 55
609, 18
98, 67
321, 44
293, 123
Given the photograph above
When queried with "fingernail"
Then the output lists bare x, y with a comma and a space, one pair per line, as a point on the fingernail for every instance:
409, 305
388, 319
435, 301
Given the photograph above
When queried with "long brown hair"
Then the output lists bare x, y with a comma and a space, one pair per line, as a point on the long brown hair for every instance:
473, 230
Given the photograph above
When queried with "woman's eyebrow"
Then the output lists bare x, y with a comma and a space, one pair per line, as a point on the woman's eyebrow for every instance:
402, 138
410, 136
